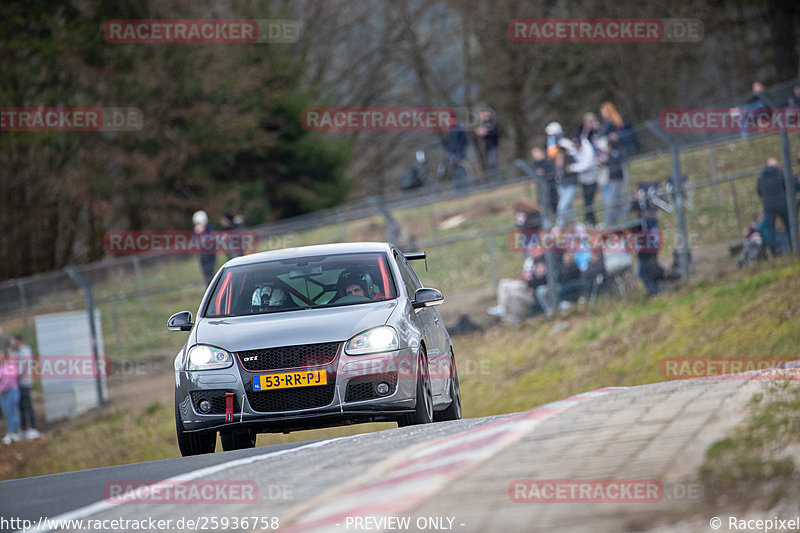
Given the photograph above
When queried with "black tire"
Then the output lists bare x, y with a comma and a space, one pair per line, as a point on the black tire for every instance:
237, 439
193, 443
423, 411
453, 411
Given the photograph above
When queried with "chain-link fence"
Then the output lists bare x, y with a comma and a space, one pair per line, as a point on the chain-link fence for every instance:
718, 169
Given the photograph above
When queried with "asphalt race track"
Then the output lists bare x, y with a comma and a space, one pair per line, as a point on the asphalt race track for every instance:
473, 475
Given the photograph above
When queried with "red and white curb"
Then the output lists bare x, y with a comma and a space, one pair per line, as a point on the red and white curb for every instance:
425, 472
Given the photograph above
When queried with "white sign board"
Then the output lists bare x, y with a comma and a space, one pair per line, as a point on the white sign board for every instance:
66, 366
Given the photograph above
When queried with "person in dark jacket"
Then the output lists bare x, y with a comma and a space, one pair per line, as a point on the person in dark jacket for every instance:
771, 188
594, 277
647, 246
455, 144
489, 130
234, 224
456, 141
545, 170
615, 209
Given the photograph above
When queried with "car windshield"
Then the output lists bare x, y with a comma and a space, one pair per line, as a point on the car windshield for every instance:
301, 283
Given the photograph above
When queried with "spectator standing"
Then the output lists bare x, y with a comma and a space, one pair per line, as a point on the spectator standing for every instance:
586, 166
9, 392
208, 255
614, 205
554, 133
456, 141
566, 182
24, 358
612, 120
754, 103
614, 123
489, 131
232, 223
545, 170
771, 188
647, 247
456, 151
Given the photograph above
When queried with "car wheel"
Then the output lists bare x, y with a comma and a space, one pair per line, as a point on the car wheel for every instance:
423, 411
193, 443
453, 411
237, 439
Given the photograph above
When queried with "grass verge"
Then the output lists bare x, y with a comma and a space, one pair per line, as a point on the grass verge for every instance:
754, 465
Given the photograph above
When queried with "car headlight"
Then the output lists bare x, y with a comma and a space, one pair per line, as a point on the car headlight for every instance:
376, 340
202, 357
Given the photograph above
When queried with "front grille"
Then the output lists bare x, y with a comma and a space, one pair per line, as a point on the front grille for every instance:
359, 389
285, 357
271, 401
217, 399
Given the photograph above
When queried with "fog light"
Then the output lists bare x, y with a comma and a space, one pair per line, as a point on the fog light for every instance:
205, 406
382, 388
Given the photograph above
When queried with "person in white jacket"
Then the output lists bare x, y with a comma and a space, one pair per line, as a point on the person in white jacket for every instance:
586, 167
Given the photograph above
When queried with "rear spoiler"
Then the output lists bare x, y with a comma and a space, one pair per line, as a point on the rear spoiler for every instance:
415, 256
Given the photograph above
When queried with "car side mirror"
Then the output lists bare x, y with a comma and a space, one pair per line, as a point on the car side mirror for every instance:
426, 298
180, 321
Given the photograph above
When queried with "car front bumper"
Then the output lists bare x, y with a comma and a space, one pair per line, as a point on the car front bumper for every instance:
350, 395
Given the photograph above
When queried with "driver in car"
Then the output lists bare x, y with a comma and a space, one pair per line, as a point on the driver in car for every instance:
352, 283
354, 289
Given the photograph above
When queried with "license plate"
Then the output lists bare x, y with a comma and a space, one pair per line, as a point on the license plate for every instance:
287, 380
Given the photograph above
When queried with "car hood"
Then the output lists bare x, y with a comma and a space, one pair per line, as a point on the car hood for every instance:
308, 326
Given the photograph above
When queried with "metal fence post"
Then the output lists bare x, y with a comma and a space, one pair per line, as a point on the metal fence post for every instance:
712, 162
791, 192
684, 252
543, 196
736, 211
139, 285
115, 318
87, 291
24, 301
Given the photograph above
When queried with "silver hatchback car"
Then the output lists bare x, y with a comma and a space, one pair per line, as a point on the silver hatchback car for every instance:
312, 337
